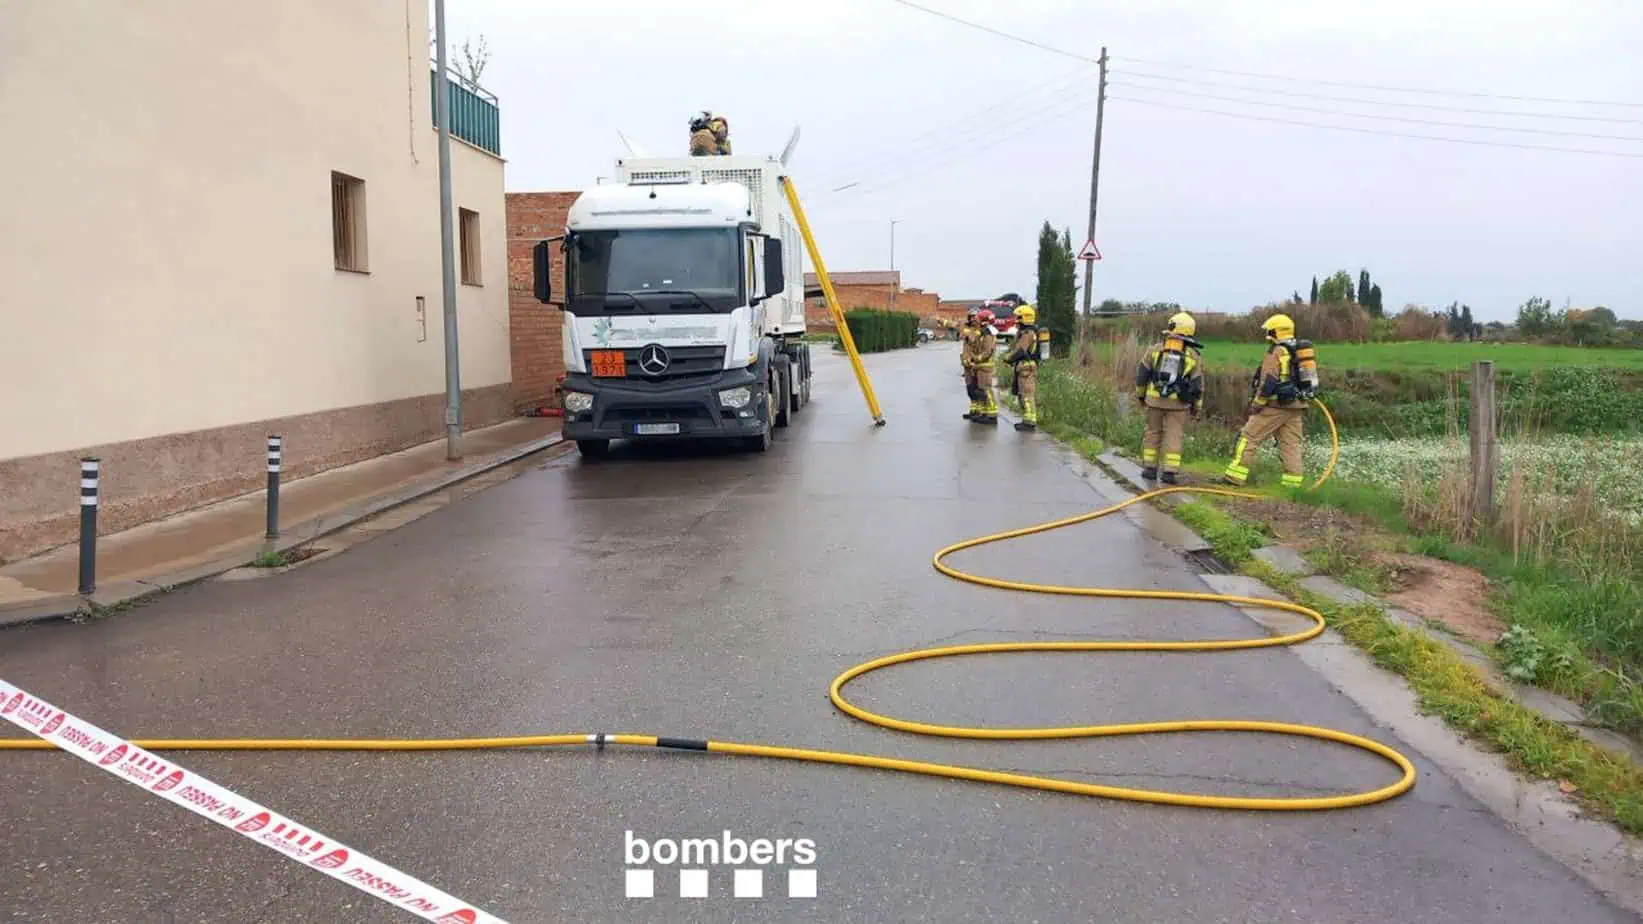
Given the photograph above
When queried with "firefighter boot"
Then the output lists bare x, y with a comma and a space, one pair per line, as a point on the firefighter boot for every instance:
1150, 473
1171, 478
989, 407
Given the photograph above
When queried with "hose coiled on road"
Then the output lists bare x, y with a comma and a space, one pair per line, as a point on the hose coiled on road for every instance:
926, 768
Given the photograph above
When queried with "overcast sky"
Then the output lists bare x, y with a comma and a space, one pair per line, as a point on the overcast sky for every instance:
971, 141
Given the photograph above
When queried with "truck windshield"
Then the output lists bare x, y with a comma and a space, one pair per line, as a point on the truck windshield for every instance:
646, 271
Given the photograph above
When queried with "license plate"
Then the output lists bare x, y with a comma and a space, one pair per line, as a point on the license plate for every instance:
609, 364
655, 429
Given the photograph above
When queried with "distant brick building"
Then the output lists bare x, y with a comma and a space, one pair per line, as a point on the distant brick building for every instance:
865, 290
955, 309
535, 328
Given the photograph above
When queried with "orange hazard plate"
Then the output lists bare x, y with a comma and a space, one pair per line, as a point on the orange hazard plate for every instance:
609, 364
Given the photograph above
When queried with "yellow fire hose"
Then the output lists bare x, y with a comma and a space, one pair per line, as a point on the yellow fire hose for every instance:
926, 768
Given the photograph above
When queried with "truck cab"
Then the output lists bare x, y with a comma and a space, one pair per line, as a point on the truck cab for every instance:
683, 305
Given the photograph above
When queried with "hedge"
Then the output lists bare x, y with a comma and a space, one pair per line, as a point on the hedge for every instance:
876, 331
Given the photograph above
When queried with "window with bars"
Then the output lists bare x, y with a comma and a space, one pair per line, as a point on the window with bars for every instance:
348, 222
468, 244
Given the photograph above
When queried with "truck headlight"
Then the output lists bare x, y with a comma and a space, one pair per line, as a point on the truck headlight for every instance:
578, 403
736, 397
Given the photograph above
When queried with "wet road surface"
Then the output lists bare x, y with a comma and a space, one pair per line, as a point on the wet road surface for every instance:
700, 593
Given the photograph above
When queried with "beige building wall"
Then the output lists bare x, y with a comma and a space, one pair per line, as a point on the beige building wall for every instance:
170, 291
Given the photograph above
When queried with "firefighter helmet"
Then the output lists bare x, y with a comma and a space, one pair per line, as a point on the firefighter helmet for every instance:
1183, 324
985, 316
1279, 327
1027, 314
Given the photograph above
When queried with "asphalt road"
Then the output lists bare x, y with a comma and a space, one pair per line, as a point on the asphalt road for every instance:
699, 593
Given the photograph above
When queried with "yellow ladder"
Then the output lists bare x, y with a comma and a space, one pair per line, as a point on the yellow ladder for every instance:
833, 302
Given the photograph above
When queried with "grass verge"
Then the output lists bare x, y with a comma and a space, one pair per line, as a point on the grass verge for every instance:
1607, 785
1567, 588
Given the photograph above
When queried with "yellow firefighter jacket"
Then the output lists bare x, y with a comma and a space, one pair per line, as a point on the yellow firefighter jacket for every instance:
1275, 379
1192, 380
980, 347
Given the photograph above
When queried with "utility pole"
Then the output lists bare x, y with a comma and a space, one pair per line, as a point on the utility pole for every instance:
1095, 189
895, 284
453, 374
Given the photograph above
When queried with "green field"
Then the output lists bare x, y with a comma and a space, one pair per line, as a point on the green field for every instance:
1434, 356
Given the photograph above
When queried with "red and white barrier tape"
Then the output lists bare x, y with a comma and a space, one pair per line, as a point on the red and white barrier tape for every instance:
205, 798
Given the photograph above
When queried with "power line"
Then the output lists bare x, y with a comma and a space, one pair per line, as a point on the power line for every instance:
1216, 70
1376, 131
1369, 86
1057, 86
1029, 117
964, 152
1390, 118
1383, 102
989, 29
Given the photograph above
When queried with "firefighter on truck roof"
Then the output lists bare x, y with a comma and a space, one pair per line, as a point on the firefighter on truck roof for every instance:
709, 135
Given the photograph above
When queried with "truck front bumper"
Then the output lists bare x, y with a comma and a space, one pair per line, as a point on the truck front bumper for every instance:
663, 409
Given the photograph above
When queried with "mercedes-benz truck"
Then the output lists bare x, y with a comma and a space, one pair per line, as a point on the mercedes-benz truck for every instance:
683, 304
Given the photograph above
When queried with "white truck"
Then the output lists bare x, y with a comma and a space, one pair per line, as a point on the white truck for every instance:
683, 304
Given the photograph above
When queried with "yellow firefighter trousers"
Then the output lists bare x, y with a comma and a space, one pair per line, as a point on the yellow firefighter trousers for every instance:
1026, 380
982, 378
1264, 424
1166, 430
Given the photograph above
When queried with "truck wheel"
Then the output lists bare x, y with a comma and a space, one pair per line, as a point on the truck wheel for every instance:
593, 449
781, 384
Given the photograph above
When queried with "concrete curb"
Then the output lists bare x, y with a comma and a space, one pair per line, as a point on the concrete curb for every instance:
129, 593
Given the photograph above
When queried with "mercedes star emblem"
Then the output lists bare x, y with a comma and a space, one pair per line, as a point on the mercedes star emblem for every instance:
653, 360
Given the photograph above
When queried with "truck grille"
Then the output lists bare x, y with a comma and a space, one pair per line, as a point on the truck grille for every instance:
692, 361
660, 412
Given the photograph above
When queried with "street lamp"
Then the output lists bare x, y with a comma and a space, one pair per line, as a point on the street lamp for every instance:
894, 283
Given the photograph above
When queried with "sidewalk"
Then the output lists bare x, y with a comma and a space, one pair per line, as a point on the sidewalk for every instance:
199, 543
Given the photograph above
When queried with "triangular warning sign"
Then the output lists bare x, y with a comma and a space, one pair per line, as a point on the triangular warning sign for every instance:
1089, 252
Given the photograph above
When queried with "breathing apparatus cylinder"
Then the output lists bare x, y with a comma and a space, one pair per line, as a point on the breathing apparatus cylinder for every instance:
1169, 375
1304, 362
1170, 366
1043, 343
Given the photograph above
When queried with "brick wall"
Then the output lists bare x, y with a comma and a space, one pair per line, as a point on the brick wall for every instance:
535, 328
917, 301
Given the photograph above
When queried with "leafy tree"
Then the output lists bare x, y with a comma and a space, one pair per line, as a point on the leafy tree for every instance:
1110, 306
1296, 299
1373, 301
1363, 285
1314, 300
1535, 318
1336, 289
1601, 317
1057, 279
1469, 327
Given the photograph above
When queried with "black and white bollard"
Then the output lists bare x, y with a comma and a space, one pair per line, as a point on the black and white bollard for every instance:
275, 452
89, 470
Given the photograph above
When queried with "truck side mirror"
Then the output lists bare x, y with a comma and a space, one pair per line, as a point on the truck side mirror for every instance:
775, 280
542, 259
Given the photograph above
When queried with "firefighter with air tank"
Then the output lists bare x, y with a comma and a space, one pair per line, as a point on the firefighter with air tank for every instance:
1023, 356
979, 348
1169, 383
1281, 392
